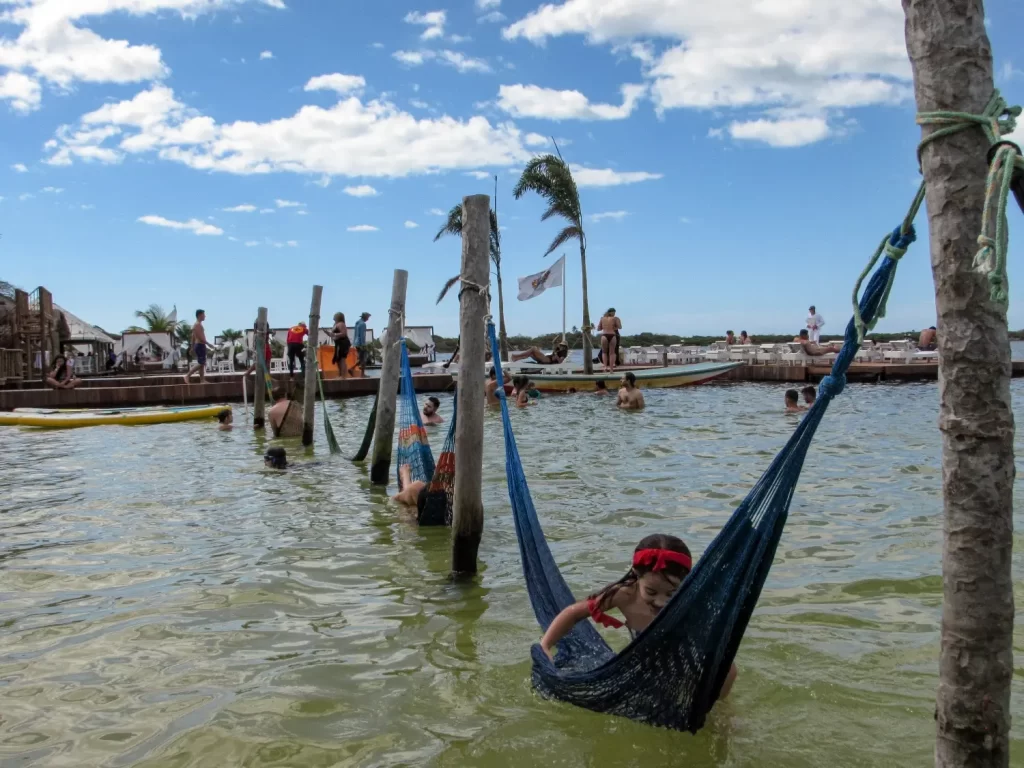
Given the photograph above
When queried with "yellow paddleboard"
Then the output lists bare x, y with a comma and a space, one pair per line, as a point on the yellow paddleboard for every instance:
128, 417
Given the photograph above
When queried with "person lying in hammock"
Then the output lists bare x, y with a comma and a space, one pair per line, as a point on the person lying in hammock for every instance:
660, 564
413, 493
558, 355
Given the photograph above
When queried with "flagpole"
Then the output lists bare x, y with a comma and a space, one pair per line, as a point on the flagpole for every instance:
563, 299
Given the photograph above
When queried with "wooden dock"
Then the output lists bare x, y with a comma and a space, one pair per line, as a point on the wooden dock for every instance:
127, 391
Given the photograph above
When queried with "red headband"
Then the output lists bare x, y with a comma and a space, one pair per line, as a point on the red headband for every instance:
658, 559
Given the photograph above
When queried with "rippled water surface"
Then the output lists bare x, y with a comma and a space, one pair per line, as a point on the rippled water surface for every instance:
164, 601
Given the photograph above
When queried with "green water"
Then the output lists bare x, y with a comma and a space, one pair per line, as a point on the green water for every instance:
166, 602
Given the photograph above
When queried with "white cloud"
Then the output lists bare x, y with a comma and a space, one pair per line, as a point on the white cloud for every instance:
243, 208
436, 212
488, 5
374, 139
301, 212
494, 17
264, 55
52, 190
448, 58
419, 104
267, 210
87, 206
809, 58
287, 204
57, 45
433, 21
781, 133
20, 168
292, 243
25, 196
479, 174
536, 140
376, 45
251, 243
606, 177
196, 226
341, 84
459, 39
363, 228
411, 225
363, 190
534, 101
613, 215
684, 220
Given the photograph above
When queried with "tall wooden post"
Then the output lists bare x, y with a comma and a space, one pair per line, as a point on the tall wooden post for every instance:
952, 63
468, 507
312, 366
390, 370
259, 389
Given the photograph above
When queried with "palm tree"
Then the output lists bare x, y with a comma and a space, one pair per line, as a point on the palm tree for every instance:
231, 336
183, 335
549, 177
453, 226
157, 321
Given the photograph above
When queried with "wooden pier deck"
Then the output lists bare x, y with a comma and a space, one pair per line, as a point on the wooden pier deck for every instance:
127, 391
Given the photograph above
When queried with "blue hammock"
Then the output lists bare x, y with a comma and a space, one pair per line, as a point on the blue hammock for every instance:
671, 674
437, 506
413, 445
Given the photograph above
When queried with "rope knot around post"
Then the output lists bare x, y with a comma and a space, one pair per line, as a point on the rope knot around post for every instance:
899, 241
832, 385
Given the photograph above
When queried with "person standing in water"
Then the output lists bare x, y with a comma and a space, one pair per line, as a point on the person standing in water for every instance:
601, 388
430, 414
199, 347
491, 389
630, 398
342, 344
609, 326
285, 415
814, 324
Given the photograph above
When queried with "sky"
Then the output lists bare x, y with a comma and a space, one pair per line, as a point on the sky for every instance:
737, 160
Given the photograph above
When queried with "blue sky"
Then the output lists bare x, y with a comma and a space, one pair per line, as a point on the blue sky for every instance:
738, 160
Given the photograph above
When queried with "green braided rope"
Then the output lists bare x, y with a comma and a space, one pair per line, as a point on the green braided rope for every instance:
997, 119
332, 441
892, 252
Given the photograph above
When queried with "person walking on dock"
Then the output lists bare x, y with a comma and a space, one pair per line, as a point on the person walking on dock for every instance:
814, 324
296, 348
359, 341
199, 346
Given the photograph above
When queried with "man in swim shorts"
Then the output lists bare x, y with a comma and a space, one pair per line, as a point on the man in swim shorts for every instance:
199, 346
630, 398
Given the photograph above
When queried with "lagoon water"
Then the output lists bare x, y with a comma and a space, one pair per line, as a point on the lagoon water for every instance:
164, 601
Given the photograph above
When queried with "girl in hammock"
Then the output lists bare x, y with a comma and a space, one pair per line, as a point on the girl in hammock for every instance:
660, 563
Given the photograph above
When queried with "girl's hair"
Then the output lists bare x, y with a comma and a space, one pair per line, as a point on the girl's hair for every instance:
222, 417
339, 317
654, 541
62, 358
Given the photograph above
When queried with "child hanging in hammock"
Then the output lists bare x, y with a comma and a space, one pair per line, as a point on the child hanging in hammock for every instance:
660, 563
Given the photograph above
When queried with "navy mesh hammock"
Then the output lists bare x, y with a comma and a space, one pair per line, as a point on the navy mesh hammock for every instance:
414, 452
670, 675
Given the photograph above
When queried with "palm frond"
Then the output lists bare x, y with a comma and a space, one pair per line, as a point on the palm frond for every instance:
447, 287
495, 240
453, 224
572, 232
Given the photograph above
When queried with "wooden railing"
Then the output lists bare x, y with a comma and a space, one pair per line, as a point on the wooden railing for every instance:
11, 365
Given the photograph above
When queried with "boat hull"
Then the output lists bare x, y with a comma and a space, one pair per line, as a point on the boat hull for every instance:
128, 417
646, 378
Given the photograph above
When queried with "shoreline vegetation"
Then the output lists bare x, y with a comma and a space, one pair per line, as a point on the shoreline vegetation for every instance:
446, 344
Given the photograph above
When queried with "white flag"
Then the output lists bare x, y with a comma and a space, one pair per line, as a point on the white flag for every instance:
172, 319
532, 286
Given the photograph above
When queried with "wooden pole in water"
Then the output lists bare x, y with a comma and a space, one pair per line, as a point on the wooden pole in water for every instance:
468, 508
312, 364
390, 370
259, 390
952, 63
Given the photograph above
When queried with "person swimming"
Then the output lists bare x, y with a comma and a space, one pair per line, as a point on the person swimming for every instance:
630, 397
793, 401
430, 414
491, 388
810, 395
601, 388
275, 458
226, 418
660, 564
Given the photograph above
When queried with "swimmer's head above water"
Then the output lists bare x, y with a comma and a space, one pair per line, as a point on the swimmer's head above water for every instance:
275, 458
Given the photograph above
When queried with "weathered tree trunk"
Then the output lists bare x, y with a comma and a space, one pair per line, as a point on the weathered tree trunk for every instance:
502, 336
390, 371
312, 367
468, 508
588, 349
952, 63
259, 391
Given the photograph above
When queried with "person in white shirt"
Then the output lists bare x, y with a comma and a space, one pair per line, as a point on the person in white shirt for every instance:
814, 324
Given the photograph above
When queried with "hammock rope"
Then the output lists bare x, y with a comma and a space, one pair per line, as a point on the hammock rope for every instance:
332, 441
364, 447
671, 674
437, 507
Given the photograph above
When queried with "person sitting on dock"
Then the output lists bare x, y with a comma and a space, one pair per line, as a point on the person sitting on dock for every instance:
491, 388
199, 346
558, 355
630, 398
225, 418
730, 338
285, 415
430, 414
275, 458
793, 401
62, 375
744, 339
810, 395
926, 342
813, 349
601, 388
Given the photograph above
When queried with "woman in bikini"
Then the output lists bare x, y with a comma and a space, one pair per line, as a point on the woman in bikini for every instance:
558, 355
285, 415
609, 326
